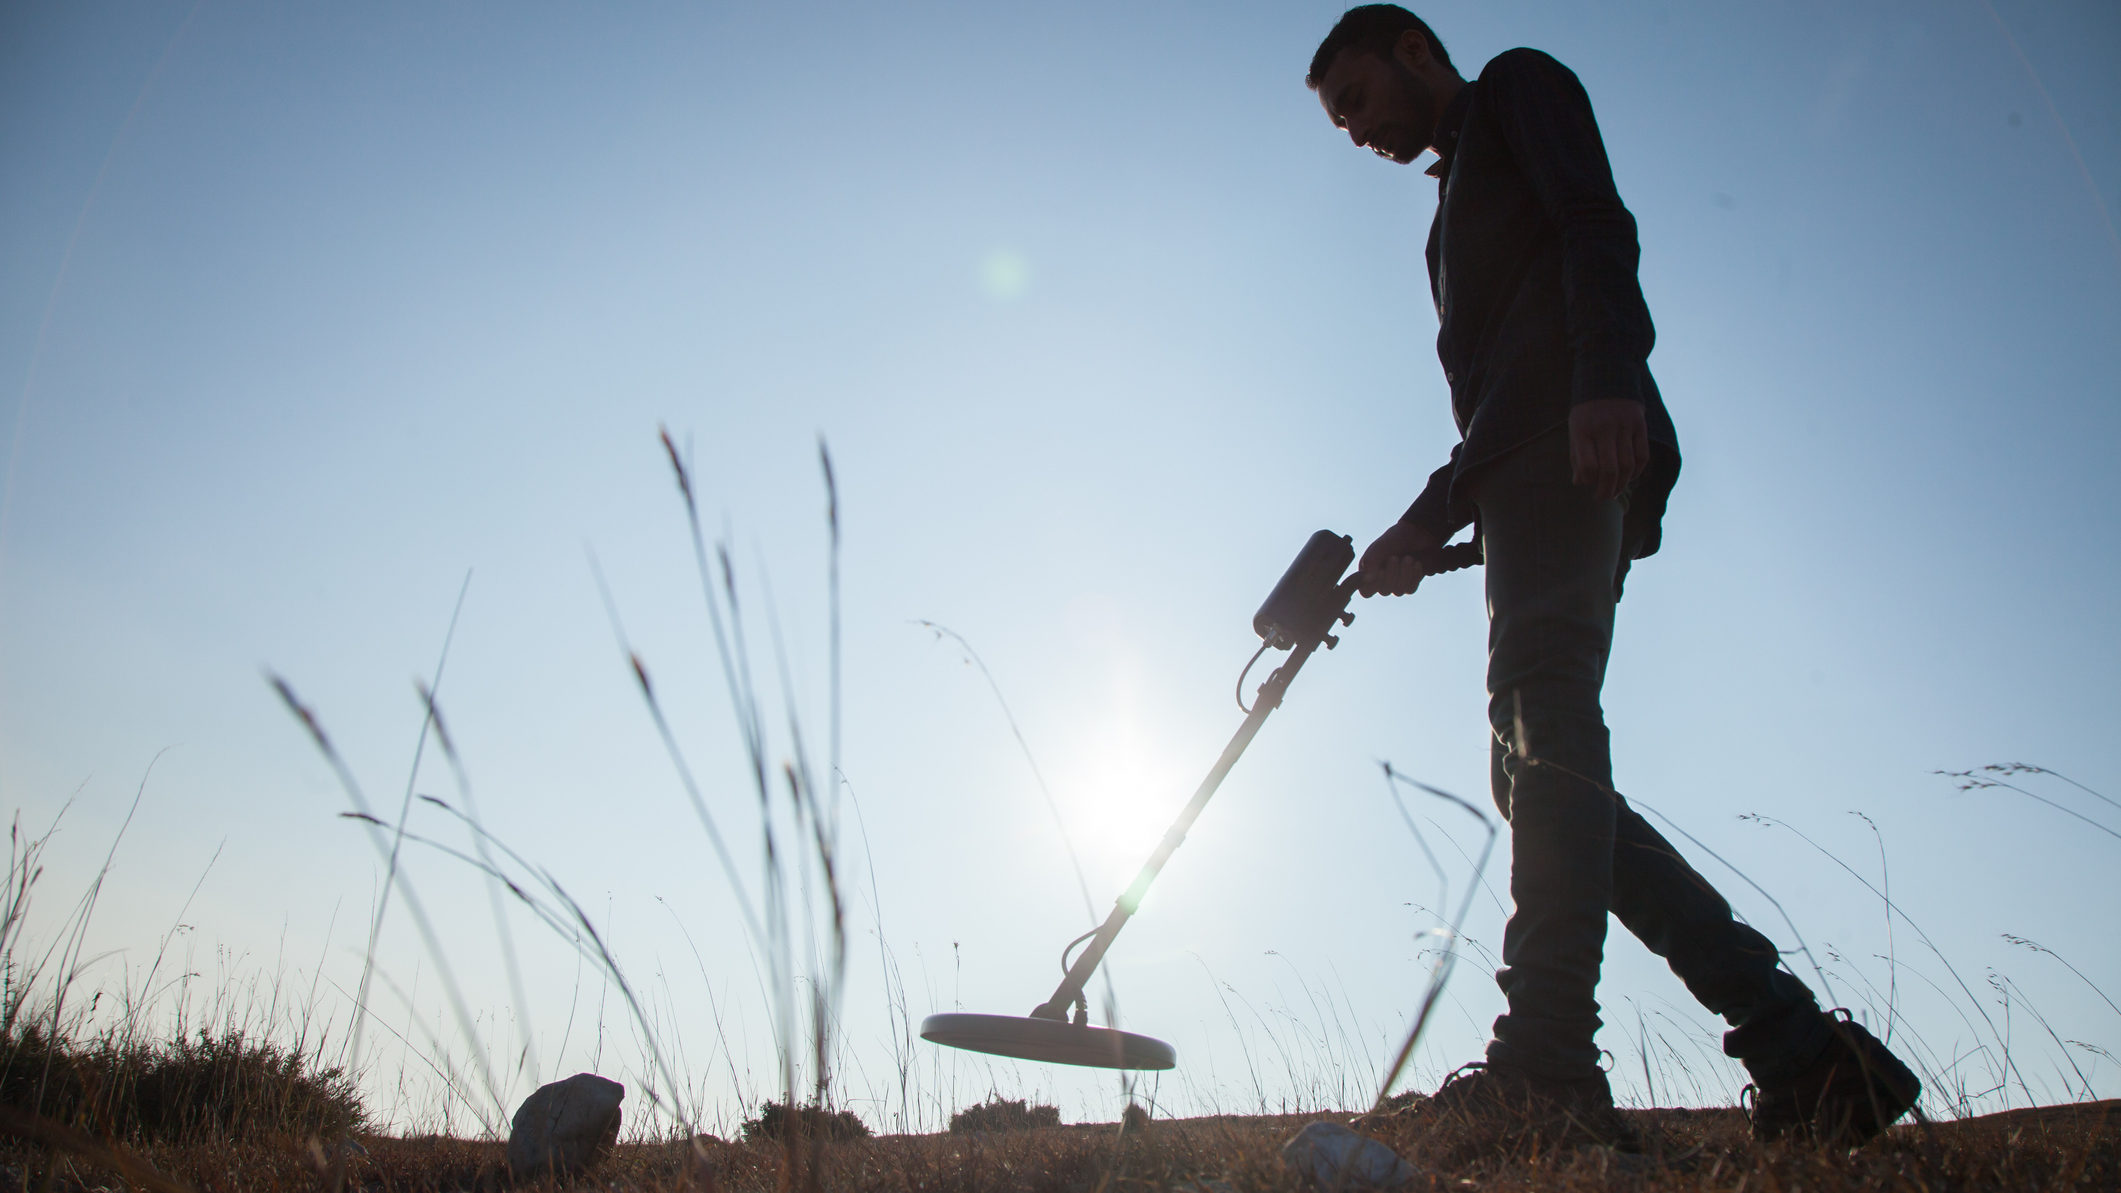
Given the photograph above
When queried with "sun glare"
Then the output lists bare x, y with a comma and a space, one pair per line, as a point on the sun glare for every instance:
1120, 796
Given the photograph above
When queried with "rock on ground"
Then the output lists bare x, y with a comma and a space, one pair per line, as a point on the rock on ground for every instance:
1330, 1156
565, 1127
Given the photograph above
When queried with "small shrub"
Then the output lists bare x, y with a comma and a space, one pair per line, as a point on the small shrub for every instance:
197, 1090
776, 1120
1003, 1115
1402, 1100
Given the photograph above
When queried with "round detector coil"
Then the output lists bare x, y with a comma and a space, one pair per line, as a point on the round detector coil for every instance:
1048, 1040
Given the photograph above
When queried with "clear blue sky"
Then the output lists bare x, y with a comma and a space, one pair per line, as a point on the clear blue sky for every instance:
306, 312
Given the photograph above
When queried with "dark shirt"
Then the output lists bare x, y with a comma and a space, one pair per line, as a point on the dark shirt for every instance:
1532, 262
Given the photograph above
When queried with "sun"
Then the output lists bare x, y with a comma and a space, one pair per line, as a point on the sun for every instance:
1122, 791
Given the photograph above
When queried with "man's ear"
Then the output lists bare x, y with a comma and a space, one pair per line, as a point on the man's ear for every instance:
1412, 50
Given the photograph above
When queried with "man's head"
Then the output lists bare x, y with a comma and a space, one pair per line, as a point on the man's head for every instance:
1384, 77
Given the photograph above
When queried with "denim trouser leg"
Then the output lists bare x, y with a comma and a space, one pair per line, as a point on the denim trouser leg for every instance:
1727, 965
1555, 557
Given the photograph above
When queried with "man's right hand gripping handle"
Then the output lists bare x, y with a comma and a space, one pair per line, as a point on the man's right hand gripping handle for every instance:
1395, 564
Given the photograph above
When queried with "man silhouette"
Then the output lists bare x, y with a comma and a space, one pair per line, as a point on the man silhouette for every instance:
1566, 457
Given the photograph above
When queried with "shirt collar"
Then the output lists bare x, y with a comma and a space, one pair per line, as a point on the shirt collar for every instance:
1448, 128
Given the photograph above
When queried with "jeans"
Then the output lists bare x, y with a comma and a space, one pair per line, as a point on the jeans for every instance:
1556, 560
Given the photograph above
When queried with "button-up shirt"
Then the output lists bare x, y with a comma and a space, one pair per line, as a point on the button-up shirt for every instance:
1532, 260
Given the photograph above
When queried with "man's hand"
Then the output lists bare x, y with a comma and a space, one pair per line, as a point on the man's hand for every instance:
1609, 445
1389, 566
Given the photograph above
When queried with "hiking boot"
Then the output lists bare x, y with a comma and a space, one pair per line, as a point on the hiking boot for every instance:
1515, 1108
1853, 1091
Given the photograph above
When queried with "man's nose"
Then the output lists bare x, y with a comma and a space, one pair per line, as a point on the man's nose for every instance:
1360, 134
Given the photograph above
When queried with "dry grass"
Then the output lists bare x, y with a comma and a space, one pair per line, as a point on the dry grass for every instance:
207, 1088
2058, 1148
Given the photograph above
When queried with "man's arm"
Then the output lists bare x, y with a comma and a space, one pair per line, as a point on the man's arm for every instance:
1389, 565
1432, 510
1546, 120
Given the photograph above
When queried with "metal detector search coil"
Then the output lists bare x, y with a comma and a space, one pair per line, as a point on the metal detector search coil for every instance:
1049, 1040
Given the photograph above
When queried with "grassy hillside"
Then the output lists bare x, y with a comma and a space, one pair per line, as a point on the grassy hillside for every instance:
2063, 1148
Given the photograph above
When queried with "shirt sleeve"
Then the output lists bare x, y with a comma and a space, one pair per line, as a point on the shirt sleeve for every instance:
1432, 510
1545, 119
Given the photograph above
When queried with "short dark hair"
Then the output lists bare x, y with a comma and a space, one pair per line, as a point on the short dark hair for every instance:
1371, 29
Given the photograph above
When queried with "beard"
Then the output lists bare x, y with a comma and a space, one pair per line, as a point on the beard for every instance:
1407, 138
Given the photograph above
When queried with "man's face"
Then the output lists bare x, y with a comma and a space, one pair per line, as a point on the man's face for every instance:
1380, 103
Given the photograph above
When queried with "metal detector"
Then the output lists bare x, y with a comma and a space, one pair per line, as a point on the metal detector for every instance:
1298, 617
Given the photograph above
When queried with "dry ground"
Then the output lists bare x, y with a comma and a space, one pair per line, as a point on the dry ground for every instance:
2056, 1148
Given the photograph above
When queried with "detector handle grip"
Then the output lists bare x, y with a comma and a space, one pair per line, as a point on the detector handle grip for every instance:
1438, 560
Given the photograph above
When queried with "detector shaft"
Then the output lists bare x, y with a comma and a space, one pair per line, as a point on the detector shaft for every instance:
1270, 694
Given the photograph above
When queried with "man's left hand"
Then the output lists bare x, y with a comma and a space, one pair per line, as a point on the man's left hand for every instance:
1609, 445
